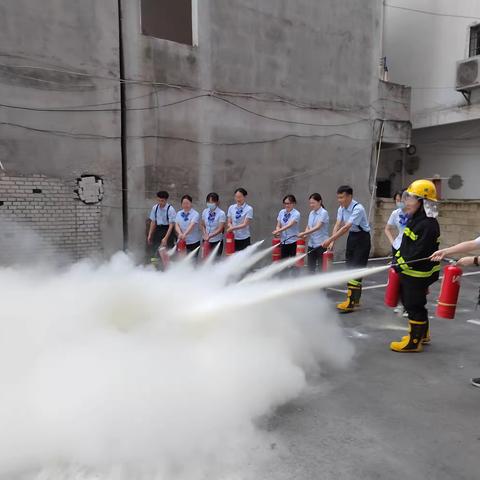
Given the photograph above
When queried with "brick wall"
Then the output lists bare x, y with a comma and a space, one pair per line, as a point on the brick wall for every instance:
44, 216
459, 221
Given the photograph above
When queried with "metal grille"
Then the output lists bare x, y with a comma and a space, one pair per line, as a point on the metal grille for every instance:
474, 41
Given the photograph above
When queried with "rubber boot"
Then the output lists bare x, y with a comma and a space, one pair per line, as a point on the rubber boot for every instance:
354, 292
413, 341
426, 339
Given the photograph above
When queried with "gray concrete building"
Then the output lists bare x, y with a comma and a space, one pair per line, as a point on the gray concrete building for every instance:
278, 97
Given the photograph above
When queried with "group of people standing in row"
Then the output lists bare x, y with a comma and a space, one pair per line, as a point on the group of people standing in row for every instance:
167, 225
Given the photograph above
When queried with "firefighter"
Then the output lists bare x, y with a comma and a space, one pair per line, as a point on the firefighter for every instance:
351, 218
420, 240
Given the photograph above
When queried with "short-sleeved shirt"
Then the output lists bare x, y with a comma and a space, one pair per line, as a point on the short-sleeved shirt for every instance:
184, 219
284, 218
237, 215
212, 220
163, 216
354, 214
318, 237
477, 241
399, 220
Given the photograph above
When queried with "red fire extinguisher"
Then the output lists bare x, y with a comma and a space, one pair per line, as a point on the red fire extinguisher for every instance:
277, 251
300, 251
206, 249
392, 292
327, 260
229, 243
447, 302
182, 247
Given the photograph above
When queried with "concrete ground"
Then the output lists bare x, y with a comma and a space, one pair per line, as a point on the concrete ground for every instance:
390, 416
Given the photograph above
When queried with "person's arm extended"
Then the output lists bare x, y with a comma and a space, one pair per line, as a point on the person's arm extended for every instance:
180, 234
232, 227
281, 229
190, 228
463, 247
309, 231
167, 235
151, 231
218, 230
390, 233
338, 231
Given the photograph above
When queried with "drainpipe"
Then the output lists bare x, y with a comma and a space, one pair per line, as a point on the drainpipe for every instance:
123, 129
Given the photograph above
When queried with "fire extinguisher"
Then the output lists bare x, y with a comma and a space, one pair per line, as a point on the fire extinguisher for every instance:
327, 260
277, 251
163, 254
229, 243
300, 252
182, 247
392, 292
447, 302
206, 249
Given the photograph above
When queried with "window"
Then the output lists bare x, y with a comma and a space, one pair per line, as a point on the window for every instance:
474, 41
173, 20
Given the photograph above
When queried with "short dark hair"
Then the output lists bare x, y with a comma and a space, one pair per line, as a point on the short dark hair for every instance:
290, 197
213, 196
242, 191
316, 196
398, 192
345, 189
186, 197
163, 194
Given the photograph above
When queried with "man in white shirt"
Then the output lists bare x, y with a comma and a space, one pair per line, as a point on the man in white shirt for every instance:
162, 223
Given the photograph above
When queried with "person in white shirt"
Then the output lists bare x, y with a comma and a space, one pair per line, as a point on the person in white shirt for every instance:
317, 232
288, 227
187, 224
162, 222
396, 223
239, 217
464, 247
213, 222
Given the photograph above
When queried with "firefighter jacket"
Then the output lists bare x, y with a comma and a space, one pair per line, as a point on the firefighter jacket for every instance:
420, 239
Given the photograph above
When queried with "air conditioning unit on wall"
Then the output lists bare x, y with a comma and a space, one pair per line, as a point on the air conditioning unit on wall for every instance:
468, 74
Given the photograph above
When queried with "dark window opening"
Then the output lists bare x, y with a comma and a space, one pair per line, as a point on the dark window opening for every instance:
168, 19
474, 48
37, 190
1, 203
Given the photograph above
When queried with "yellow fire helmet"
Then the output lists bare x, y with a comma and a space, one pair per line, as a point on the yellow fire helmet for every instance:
423, 189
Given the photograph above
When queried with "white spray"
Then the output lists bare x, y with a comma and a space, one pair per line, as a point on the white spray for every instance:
120, 372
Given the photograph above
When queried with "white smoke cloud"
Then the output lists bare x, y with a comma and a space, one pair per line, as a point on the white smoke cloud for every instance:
119, 372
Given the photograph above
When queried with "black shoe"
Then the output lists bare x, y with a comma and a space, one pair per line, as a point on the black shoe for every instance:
475, 382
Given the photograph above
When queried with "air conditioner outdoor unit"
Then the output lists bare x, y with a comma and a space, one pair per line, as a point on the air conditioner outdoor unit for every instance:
468, 74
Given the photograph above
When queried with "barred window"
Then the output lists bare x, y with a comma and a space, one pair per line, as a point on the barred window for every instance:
474, 41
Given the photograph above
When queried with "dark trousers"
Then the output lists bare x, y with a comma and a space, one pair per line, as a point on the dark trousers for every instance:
358, 249
158, 234
242, 244
315, 259
413, 292
192, 246
288, 250
220, 249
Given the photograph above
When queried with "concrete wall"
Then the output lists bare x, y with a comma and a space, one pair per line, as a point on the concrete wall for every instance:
422, 51
58, 62
459, 221
310, 66
445, 151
